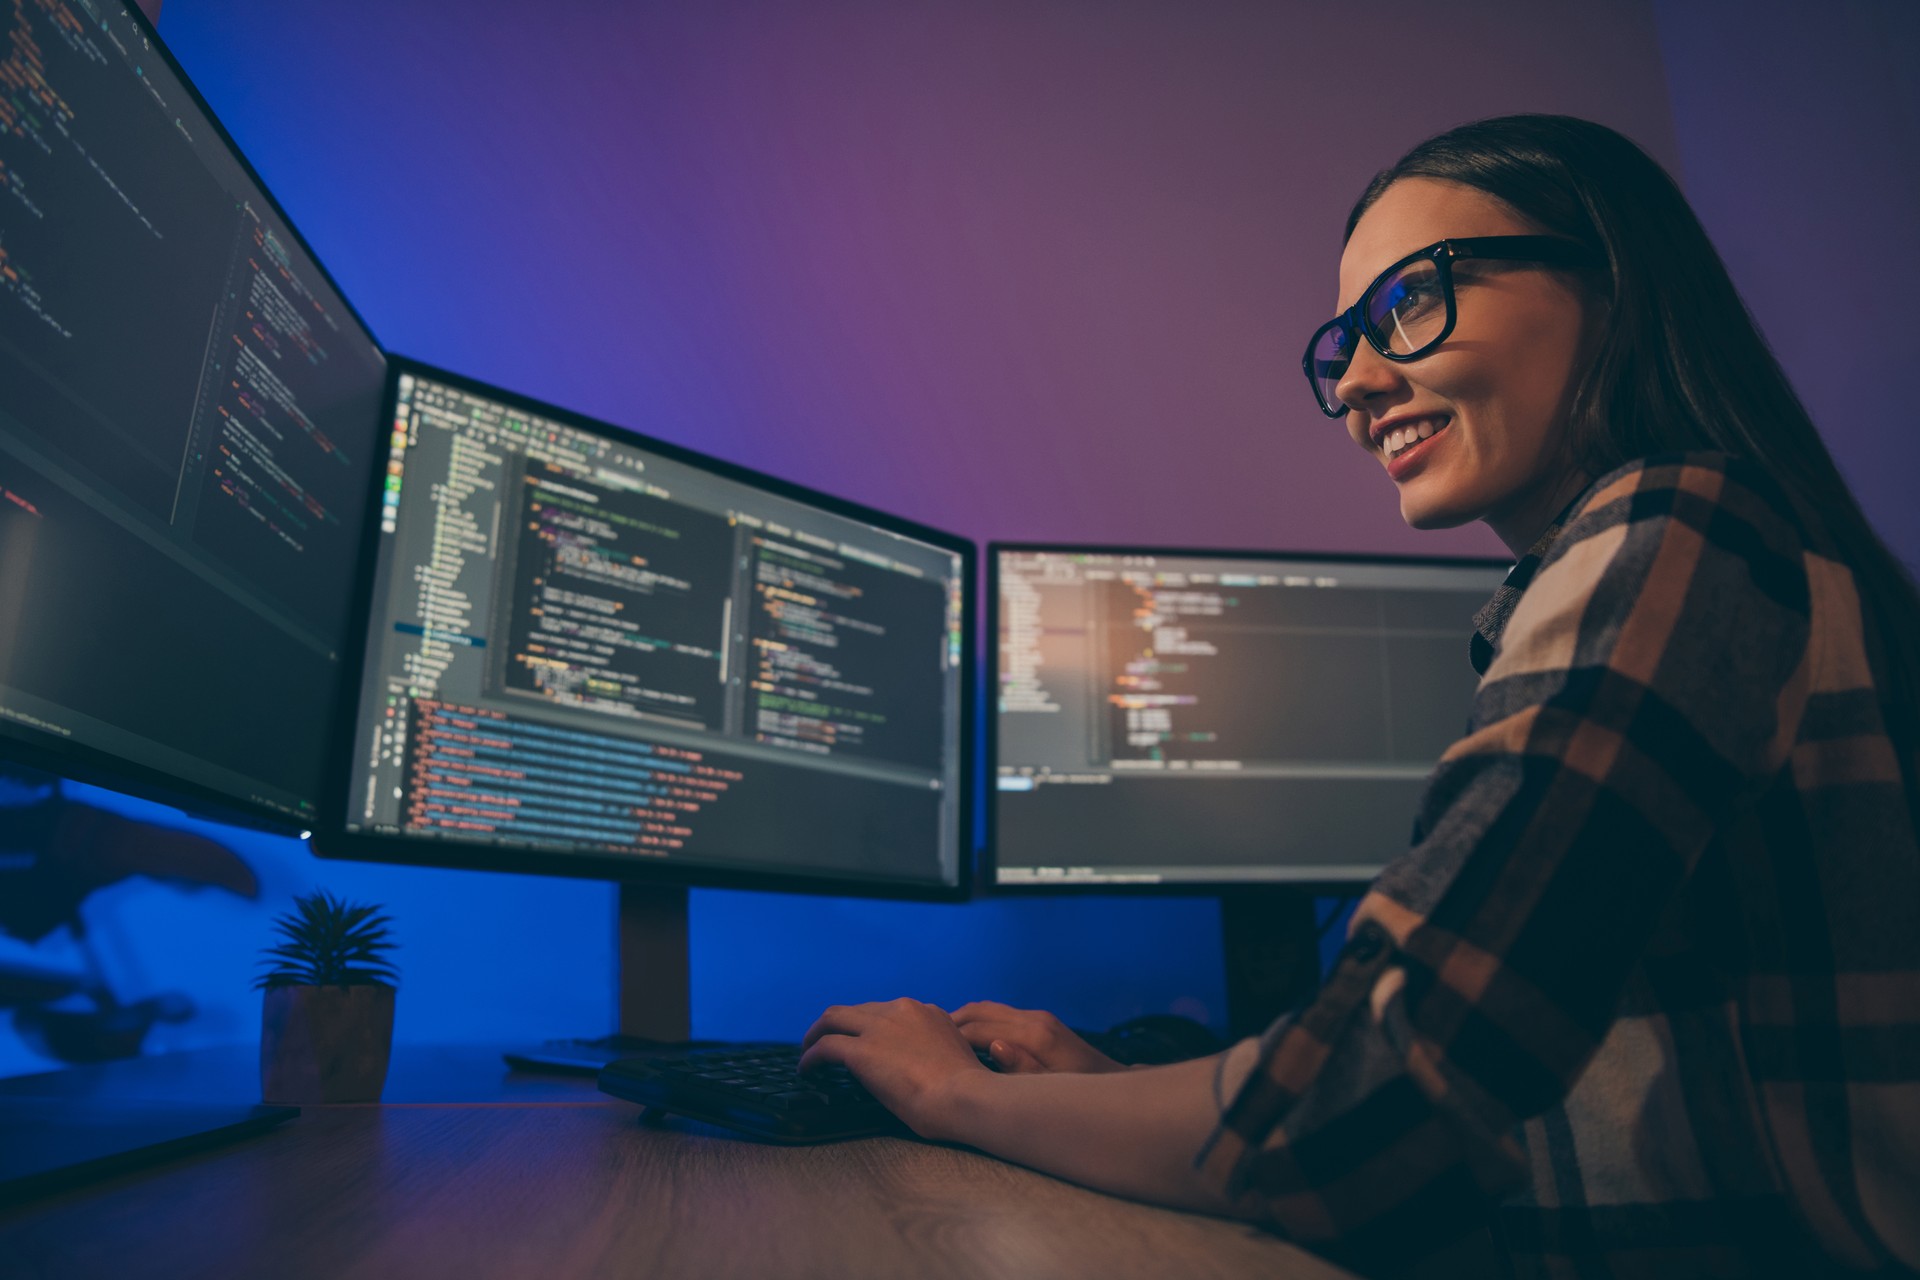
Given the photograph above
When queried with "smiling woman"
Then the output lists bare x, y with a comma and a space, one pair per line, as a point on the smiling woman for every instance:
1489, 401
1643, 998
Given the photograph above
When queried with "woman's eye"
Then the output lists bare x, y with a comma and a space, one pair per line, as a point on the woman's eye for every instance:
1405, 298
1415, 298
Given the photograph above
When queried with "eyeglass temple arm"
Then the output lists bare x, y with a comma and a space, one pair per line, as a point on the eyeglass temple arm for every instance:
1551, 249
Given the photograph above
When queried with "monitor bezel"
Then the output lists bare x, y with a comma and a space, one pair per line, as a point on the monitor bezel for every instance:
35, 749
990, 885
333, 840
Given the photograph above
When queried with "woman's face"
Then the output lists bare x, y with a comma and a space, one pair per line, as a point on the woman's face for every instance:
1495, 395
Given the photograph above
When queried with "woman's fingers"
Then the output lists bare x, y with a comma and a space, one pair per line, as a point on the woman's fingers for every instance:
845, 1019
1034, 1022
1038, 1039
826, 1051
978, 1010
981, 1035
1011, 1057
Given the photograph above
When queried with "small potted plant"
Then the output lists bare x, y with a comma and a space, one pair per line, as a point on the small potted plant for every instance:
327, 1026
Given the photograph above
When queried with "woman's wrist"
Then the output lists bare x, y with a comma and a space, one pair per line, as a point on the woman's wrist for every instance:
957, 1106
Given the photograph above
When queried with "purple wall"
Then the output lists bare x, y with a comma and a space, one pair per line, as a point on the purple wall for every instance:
1799, 136
1022, 269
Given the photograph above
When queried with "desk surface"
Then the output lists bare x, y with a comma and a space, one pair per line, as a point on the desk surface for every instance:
470, 1170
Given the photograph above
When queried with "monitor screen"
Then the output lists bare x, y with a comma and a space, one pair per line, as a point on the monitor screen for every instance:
1196, 718
188, 411
591, 653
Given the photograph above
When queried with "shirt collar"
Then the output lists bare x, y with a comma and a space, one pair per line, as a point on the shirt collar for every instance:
1492, 618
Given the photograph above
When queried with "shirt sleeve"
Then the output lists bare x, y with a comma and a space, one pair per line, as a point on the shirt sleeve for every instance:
1650, 680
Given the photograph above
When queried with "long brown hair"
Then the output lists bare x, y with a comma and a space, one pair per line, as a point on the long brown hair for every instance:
1681, 365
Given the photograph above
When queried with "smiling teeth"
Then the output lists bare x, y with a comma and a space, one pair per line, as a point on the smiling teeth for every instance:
1401, 437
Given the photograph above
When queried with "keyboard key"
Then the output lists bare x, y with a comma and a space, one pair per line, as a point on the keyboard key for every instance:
801, 1099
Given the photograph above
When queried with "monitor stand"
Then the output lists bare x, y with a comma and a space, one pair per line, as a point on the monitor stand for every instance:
652, 977
653, 990
1272, 948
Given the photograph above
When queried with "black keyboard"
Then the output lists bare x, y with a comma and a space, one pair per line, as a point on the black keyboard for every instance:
757, 1090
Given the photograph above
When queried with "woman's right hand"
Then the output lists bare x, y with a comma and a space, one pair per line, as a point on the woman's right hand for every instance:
1027, 1039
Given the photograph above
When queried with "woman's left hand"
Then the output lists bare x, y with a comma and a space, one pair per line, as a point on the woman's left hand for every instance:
908, 1054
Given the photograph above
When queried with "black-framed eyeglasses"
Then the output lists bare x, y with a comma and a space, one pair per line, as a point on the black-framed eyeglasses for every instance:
1408, 310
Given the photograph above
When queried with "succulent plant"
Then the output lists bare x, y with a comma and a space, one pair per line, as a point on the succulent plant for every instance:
328, 943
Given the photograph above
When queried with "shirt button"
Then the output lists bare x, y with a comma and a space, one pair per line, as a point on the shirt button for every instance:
1367, 942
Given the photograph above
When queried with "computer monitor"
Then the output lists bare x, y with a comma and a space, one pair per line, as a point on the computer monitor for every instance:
585, 652
1194, 719
590, 653
1254, 725
188, 411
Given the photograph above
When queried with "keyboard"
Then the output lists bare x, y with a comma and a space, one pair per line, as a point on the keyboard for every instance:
1145, 1041
756, 1090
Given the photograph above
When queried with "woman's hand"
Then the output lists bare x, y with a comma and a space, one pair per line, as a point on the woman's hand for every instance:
907, 1054
1027, 1039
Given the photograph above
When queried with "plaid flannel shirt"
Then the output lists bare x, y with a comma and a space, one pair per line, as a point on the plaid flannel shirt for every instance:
1643, 999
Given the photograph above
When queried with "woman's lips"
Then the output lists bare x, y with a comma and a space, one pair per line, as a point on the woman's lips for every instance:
1414, 455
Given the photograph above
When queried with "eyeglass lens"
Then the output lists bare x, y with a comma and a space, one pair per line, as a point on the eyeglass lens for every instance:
1408, 310
1405, 313
1331, 355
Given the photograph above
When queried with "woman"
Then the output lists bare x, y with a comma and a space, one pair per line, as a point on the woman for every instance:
1644, 996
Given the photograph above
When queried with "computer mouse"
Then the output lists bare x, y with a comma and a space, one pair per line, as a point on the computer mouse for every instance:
1154, 1038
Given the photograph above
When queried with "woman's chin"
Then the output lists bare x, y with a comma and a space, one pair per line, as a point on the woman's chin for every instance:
1423, 511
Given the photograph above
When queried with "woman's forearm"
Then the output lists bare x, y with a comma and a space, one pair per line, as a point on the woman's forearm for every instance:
1133, 1133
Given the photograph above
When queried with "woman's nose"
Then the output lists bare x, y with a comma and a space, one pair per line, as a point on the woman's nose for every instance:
1369, 377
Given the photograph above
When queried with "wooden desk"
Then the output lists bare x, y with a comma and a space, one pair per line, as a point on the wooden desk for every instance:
472, 1171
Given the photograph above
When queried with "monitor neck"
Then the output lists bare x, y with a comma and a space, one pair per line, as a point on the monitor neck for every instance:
651, 971
1272, 954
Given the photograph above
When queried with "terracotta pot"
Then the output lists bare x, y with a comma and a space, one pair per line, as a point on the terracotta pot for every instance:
325, 1044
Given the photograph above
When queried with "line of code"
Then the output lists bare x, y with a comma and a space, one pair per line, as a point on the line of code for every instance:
1023, 687
462, 503
18, 281
1225, 669
32, 109
172, 344
1154, 647
33, 113
269, 458
829, 675
620, 600
487, 773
